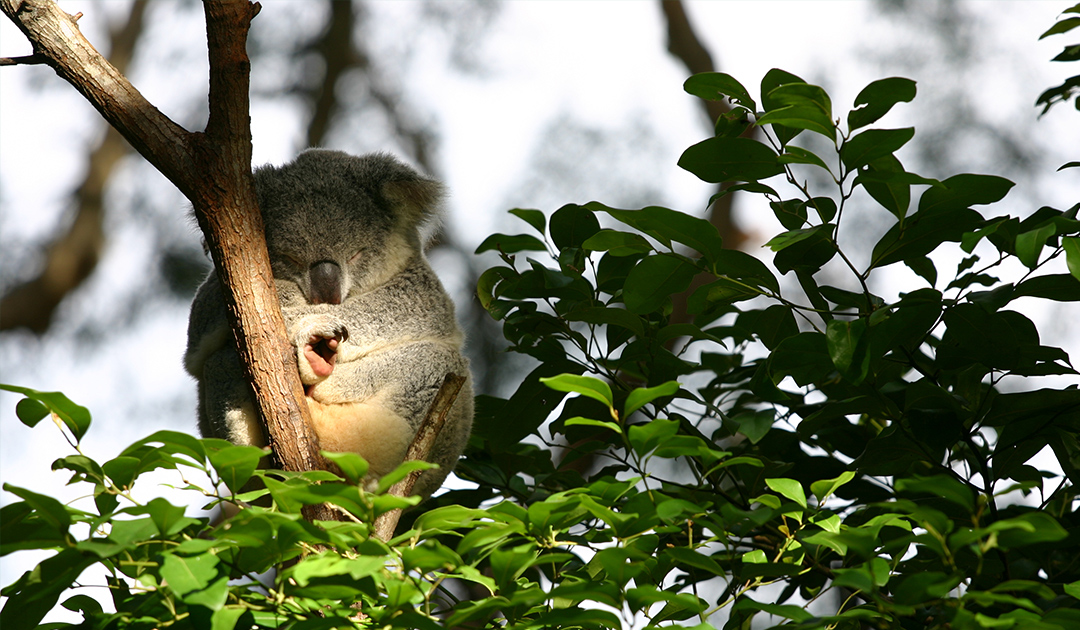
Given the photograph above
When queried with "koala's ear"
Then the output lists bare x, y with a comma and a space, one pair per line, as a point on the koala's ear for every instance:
418, 200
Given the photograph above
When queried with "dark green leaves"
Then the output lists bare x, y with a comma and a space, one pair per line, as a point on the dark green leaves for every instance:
572, 225
652, 282
731, 160
715, 86
872, 144
878, 98
669, 226
75, 417
799, 106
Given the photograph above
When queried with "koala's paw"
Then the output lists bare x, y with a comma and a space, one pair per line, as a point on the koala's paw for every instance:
318, 339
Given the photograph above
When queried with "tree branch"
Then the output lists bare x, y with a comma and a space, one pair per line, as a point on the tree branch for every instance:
213, 170
420, 450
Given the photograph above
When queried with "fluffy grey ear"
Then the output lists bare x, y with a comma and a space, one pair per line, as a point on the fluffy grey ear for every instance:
420, 201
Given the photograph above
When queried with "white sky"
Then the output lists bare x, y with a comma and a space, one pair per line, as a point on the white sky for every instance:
604, 63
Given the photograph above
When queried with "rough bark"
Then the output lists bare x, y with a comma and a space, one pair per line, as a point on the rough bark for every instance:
213, 170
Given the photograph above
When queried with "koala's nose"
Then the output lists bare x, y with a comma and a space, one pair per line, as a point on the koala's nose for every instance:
325, 282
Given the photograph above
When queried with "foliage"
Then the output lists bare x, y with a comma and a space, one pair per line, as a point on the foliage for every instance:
1070, 89
708, 440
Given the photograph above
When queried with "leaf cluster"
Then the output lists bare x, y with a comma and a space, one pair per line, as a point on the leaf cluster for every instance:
709, 439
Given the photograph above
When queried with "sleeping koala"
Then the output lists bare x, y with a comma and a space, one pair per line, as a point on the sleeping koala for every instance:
373, 328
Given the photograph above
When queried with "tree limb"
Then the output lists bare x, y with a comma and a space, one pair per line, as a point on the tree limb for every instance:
213, 170
420, 449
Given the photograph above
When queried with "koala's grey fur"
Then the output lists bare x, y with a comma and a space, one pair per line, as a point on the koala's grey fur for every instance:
373, 328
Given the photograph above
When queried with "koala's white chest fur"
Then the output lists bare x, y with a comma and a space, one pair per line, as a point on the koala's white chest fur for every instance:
369, 429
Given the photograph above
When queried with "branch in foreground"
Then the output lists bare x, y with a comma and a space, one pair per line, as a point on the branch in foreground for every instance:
420, 449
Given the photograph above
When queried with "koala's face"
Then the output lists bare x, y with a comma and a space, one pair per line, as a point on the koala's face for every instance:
337, 224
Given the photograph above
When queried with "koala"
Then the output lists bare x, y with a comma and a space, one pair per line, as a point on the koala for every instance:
373, 328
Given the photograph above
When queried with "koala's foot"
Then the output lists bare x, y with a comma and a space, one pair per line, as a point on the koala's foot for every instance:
318, 341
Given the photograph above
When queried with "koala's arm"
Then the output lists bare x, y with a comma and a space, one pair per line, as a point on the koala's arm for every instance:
375, 399
226, 404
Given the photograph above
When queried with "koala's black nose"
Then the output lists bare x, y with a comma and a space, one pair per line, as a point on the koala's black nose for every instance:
325, 283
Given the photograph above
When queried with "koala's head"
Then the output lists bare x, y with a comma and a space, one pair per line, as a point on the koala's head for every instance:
336, 223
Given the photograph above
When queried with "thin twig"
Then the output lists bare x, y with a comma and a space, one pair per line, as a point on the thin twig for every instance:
28, 60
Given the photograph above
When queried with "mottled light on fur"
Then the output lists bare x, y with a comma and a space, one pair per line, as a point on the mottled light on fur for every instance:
373, 328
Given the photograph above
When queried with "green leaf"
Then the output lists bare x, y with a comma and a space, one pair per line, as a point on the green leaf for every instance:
653, 281
876, 99
715, 86
771, 325
1029, 244
75, 417
799, 106
642, 396
1071, 244
31, 411
922, 234
617, 243
510, 244
725, 159
36, 592
535, 218
184, 574
236, 464
351, 465
742, 266
798, 155
963, 191
610, 316
773, 79
589, 422
719, 291
890, 185
789, 488
45, 507
1063, 26
585, 385
824, 488
943, 486
791, 213
1028, 529
806, 249
755, 425
847, 344
667, 225
644, 438
804, 357
873, 144
572, 225
1060, 287
892, 452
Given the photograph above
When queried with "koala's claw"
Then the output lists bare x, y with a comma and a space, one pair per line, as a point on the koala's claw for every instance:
320, 346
